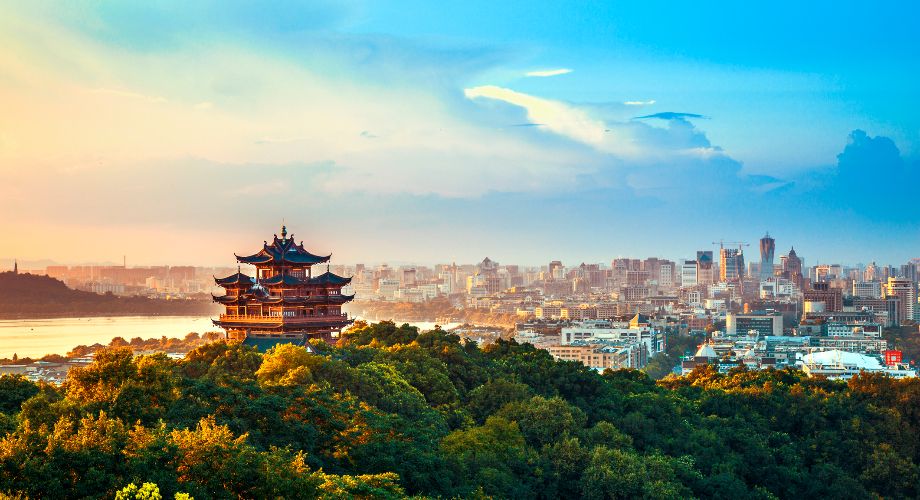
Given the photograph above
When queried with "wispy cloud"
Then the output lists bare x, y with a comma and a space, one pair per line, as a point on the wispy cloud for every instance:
670, 115
640, 103
548, 72
558, 117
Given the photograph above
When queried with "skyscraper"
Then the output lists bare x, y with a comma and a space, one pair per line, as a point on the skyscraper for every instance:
688, 273
704, 273
767, 249
906, 291
792, 267
731, 264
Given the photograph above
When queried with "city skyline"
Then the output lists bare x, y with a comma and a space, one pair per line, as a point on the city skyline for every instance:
752, 256
388, 130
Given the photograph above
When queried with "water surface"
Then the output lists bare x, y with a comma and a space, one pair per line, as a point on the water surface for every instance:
37, 337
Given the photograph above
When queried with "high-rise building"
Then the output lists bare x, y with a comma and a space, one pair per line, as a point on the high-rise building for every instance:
704, 272
731, 264
767, 249
666, 274
688, 273
908, 271
792, 267
906, 291
556, 271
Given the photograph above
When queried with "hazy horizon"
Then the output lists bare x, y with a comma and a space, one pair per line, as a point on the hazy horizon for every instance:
180, 134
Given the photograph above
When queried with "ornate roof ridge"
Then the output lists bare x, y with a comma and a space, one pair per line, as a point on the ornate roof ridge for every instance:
283, 250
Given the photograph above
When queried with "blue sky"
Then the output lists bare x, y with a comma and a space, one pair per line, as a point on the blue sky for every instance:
419, 132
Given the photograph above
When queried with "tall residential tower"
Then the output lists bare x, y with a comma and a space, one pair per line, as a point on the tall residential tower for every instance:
767, 249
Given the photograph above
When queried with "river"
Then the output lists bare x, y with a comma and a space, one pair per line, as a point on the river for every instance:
37, 337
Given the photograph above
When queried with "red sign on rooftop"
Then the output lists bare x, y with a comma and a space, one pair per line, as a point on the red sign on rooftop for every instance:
892, 357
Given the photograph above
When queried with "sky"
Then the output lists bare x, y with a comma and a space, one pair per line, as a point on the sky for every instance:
181, 132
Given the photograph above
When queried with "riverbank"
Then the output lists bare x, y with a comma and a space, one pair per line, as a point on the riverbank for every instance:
68, 315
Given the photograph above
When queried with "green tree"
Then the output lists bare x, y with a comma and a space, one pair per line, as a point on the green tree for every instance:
544, 420
494, 394
14, 390
383, 334
493, 457
287, 364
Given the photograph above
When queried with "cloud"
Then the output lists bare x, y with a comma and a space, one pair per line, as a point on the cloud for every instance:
865, 155
871, 187
668, 115
593, 125
548, 72
83, 103
557, 117
375, 133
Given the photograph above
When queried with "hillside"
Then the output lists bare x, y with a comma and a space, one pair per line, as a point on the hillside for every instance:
32, 296
395, 412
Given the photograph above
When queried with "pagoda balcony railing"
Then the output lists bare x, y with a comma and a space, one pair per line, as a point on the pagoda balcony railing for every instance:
313, 298
287, 320
307, 298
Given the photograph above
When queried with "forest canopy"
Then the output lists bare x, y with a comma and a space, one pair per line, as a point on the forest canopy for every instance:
392, 412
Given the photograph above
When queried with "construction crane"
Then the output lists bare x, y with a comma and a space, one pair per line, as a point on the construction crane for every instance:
739, 244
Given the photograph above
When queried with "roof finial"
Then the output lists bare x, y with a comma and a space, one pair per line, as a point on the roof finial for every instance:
283, 231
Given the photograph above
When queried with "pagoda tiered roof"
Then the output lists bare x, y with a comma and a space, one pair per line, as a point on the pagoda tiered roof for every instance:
282, 279
283, 251
235, 279
328, 278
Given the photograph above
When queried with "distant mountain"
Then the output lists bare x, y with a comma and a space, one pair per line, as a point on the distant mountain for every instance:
32, 296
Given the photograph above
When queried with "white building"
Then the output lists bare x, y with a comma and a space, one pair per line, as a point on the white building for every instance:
688, 274
843, 365
593, 331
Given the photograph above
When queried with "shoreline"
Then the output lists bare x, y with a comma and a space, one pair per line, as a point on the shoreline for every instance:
29, 317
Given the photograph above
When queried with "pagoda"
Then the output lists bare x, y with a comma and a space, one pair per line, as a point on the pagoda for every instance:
283, 302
